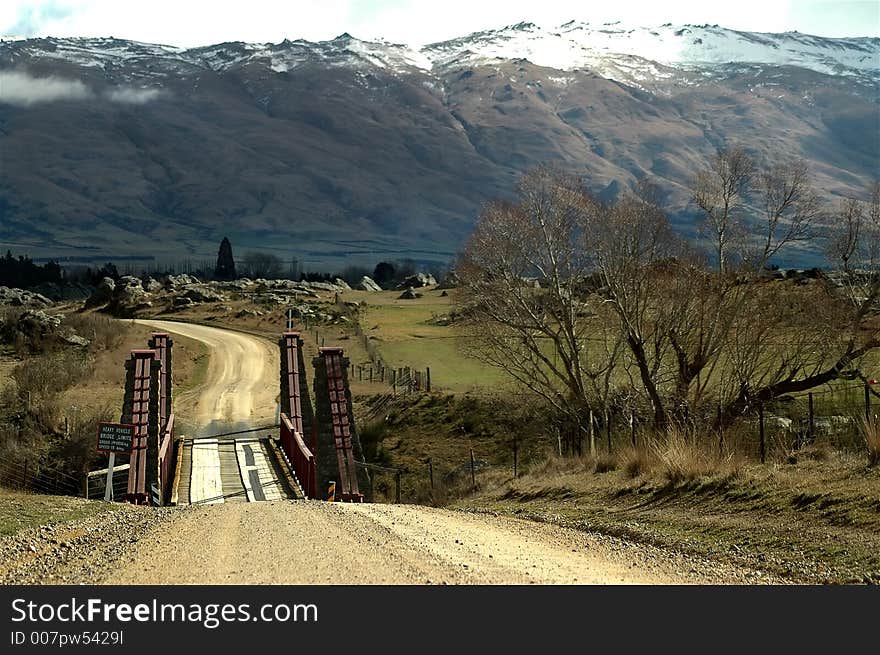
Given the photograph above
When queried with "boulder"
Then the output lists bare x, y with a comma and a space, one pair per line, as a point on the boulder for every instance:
341, 284
180, 302
450, 281
367, 284
409, 294
417, 281
102, 294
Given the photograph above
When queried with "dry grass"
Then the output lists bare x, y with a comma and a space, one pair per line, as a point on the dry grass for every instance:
682, 457
636, 461
870, 429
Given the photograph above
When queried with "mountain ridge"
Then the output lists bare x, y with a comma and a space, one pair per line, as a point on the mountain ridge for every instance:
347, 149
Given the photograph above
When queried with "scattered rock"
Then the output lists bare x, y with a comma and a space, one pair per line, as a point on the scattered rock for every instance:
367, 284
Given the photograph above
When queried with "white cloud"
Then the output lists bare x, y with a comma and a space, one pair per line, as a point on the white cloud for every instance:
22, 89
132, 96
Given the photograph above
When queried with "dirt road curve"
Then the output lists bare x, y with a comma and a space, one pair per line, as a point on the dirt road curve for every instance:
313, 542
242, 381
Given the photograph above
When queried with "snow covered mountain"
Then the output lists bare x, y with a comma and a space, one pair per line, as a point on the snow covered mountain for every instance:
349, 148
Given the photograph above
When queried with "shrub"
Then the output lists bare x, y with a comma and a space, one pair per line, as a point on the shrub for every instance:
606, 463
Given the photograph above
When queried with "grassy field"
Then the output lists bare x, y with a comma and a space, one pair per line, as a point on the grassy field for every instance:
408, 333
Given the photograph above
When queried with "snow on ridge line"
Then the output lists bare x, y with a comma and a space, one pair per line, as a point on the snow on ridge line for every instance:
569, 46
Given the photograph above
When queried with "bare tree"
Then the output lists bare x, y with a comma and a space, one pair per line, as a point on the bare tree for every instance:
718, 191
790, 206
521, 279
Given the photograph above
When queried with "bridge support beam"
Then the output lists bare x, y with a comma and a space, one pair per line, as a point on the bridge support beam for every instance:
338, 444
140, 407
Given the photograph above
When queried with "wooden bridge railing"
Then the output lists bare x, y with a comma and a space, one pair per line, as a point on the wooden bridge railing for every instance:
299, 455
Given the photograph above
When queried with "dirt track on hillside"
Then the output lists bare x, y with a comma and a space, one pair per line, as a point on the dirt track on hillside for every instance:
241, 385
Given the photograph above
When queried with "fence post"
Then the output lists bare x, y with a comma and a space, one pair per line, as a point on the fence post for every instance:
371, 374
761, 432
632, 428
428, 379
608, 429
867, 402
592, 436
811, 430
431, 471
514, 455
473, 474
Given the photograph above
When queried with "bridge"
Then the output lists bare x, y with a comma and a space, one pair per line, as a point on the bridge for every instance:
311, 452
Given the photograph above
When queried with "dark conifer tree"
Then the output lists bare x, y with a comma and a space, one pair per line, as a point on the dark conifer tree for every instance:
225, 269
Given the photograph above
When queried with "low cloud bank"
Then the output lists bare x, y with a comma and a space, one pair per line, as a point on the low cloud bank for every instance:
24, 90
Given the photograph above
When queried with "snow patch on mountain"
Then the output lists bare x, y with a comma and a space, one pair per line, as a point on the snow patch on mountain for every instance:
632, 55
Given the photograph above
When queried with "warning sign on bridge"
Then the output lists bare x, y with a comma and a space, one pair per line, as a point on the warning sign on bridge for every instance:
115, 437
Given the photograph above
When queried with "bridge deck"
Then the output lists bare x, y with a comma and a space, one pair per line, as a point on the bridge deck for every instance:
231, 470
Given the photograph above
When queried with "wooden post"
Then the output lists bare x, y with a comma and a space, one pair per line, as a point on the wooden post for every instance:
428, 379
608, 429
431, 471
592, 436
811, 426
514, 454
867, 402
473, 473
371, 374
761, 432
632, 428
397, 487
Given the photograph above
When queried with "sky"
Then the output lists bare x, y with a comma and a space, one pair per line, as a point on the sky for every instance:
190, 23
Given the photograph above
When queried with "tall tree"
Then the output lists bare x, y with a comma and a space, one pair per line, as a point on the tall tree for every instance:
225, 269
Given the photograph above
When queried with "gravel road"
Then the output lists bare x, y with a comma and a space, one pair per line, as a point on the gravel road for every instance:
313, 542
241, 387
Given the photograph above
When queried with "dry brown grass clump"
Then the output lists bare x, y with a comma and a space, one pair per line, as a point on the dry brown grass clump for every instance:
870, 428
682, 457
605, 463
636, 461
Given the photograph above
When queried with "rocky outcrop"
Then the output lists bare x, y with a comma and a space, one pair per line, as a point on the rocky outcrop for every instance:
409, 294
35, 327
203, 293
367, 284
129, 298
176, 281
102, 294
22, 298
